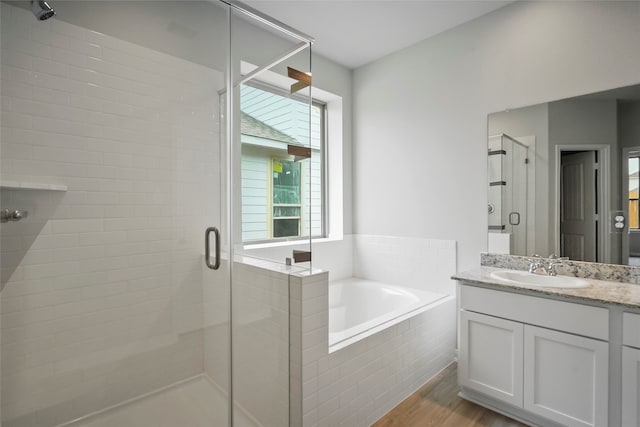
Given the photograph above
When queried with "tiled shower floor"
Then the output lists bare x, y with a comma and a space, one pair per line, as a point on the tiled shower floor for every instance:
196, 403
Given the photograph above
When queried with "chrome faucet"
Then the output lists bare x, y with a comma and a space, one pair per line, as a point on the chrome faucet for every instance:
537, 266
548, 268
553, 261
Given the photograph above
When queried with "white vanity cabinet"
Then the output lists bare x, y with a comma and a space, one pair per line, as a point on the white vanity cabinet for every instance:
630, 369
491, 356
566, 377
544, 359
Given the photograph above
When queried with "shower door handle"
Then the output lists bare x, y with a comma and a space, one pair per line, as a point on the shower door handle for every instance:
207, 254
515, 221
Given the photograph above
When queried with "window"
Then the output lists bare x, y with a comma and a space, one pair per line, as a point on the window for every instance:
634, 212
287, 198
281, 198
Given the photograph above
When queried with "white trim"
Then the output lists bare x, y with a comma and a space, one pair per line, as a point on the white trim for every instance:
604, 201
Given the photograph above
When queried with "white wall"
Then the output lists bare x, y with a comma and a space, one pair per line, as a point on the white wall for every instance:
425, 264
420, 115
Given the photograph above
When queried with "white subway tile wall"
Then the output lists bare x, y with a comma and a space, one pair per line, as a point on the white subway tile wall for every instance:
101, 284
261, 343
426, 264
260, 338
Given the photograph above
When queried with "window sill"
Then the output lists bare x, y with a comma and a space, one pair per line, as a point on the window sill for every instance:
286, 243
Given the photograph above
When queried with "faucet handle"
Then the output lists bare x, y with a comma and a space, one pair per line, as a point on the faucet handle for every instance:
551, 266
534, 258
561, 258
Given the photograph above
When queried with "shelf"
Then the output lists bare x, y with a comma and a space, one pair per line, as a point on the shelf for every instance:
15, 185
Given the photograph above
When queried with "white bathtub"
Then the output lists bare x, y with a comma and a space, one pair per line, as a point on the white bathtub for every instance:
359, 308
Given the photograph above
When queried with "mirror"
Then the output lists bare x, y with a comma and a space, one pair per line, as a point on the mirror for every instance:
563, 178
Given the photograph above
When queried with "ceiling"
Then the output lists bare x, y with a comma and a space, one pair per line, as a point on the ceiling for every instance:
349, 32
354, 33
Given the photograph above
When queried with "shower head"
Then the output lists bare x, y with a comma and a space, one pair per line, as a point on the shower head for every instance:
42, 10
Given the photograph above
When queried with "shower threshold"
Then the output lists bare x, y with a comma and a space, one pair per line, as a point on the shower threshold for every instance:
195, 402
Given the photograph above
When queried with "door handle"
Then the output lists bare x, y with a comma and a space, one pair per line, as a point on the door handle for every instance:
514, 218
207, 254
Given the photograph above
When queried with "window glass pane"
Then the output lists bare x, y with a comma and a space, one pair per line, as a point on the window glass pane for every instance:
634, 167
633, 214
286, 227
286, 182
634, 163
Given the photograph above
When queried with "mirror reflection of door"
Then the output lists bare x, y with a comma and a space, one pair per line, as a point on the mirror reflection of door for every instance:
579, 205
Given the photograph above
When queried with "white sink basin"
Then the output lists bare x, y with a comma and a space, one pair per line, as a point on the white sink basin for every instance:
530, 279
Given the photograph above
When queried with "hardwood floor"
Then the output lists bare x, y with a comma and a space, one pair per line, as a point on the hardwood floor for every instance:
437, 404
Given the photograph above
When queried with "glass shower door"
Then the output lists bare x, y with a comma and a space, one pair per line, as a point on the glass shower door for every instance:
270, 163
111, 145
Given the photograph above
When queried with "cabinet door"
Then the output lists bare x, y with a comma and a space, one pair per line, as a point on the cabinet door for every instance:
566, 377
630, 385
490, 359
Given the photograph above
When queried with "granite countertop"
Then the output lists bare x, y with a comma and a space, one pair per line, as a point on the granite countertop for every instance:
598, 291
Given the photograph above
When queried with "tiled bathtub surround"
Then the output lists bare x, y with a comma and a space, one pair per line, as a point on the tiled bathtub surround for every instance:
358, 384
261, 343
588, 270
403, 261
102, 284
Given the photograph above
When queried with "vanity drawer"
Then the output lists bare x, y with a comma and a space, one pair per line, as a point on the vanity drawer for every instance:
574, 318
631, 329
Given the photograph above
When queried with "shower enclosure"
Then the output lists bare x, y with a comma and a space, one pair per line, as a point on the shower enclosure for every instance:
143, 146
508, 176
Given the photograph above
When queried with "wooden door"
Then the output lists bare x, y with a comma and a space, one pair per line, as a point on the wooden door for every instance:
578, 206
